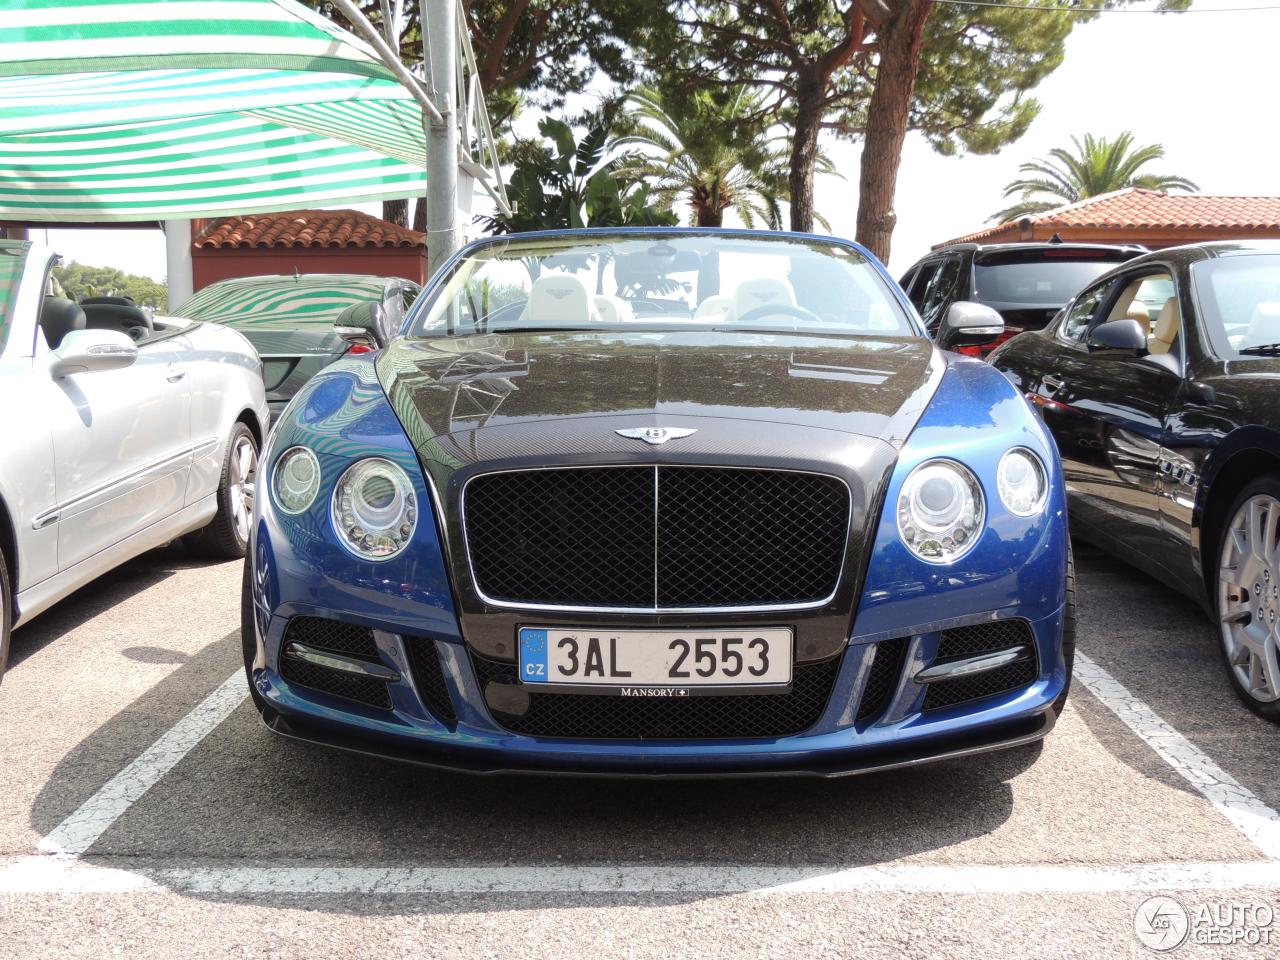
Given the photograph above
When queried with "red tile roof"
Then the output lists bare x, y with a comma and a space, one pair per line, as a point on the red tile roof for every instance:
306, 228
1137, 209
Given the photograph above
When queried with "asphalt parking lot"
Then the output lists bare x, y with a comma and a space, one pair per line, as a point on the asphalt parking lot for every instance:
146, 812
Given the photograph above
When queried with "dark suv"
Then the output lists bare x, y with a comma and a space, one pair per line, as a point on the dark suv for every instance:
1027, 283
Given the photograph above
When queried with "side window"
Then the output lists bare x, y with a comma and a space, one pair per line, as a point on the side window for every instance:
409, 293
1082, 311
938, 293
920, 282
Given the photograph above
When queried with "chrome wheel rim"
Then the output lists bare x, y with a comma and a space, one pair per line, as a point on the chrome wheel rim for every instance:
1249, 597
243, 474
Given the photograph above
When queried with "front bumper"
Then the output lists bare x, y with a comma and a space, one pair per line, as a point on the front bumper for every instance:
903, 734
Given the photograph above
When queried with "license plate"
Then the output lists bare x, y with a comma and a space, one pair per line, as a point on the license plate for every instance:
656, 658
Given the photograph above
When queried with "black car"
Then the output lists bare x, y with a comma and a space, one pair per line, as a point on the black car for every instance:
1027, 283
1161, 384
291, 320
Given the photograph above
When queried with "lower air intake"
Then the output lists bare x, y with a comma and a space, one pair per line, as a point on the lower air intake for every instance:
593, 717
882, 681
335, 637
962, 642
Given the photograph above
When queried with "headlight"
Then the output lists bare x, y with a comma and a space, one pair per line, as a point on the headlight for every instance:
374, 509
940, 511
1021, 481
296, 479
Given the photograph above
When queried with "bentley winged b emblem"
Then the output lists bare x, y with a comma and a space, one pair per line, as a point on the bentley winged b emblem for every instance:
655, 435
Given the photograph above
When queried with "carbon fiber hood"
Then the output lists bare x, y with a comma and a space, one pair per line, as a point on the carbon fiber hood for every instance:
865, 386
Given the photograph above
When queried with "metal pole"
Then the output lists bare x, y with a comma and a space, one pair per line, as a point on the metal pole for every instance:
440, 36
177, 248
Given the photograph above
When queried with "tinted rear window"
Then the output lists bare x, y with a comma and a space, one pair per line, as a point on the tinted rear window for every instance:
1042, 278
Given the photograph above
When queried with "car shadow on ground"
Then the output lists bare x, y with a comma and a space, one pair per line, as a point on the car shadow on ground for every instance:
97, 597
1159, 644
248, 797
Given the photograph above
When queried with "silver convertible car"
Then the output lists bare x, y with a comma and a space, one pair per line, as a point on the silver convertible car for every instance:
122, 431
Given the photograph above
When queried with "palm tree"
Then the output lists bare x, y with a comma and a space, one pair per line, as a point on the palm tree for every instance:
712, 148
1097, 166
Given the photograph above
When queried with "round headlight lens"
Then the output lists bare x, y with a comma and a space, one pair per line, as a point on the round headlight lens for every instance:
1022, 483
375, 510
940, 511
296, 479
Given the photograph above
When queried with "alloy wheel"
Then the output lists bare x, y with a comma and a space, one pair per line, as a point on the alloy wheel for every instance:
242, 476
1249, 597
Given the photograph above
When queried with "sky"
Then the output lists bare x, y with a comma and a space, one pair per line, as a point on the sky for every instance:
1202, 84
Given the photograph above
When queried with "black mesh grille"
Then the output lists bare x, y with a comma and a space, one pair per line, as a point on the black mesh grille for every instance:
573, 537
364, 690
748, 537
337, 637
961, 642
333, 635
592, 717
428, 677
722, 537
882, 681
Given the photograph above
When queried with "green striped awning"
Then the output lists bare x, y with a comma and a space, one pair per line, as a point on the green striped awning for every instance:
150, 109
306, 300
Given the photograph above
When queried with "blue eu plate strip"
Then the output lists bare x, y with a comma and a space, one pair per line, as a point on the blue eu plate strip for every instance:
533, 655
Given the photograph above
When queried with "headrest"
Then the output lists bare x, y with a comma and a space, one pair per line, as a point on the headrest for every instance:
560, 298
1166, 328
613, 309
118, 301
1264, 322
100, 311
1138, 311
716, 306
58, 317
761, 292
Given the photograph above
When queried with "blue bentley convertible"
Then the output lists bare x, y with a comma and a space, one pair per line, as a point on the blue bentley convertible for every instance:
662, 502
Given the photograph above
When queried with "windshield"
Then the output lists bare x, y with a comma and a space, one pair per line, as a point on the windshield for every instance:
663, 281
1039, 282
1239, 300
280, 302
13, 257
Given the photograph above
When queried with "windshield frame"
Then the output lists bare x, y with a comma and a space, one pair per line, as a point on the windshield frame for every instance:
439, 278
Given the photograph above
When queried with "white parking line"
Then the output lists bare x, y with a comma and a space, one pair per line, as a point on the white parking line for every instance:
46, 875
1232, 799
76, 834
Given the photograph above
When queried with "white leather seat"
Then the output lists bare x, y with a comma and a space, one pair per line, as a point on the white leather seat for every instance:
560, 299
715, 307
613, 309
761, 292
1164, 334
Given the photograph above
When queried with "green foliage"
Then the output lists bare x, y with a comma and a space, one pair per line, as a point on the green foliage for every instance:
80, 281
571, 183
703, 145
1095, 166
530, 51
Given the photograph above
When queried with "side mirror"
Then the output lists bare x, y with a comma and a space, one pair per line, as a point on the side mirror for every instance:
87, 351
362, 323
1124, 337
968, 325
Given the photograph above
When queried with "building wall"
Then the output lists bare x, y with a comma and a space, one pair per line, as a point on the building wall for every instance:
212, 265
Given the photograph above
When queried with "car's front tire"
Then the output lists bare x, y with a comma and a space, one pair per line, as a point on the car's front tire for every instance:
1247, 597
227, 535
6, 614
248, 632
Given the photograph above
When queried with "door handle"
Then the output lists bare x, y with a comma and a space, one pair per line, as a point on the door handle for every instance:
1053, 383
175, 373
